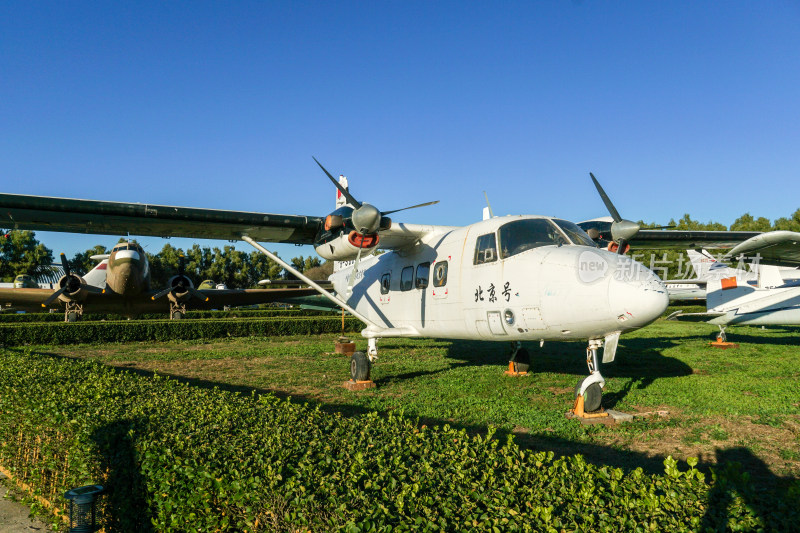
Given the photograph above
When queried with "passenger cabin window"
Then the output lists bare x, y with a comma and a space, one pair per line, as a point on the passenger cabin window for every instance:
407, 279
423, 272
521, 235
575, 233
440, 274
485, 249
385, 281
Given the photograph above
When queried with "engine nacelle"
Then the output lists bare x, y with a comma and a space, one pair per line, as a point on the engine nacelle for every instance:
76, 288
345, 247
180, 285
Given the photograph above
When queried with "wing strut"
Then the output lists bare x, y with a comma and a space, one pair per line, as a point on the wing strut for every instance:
316, 287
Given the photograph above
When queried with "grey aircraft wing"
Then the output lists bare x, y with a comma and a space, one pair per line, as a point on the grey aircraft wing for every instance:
780, 248
119, 218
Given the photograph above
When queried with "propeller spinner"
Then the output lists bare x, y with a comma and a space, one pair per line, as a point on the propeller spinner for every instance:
366, 219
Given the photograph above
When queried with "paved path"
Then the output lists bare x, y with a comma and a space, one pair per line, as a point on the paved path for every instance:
14, 516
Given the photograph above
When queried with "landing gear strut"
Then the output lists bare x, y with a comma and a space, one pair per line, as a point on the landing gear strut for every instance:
177, 310
589, 390
73, 312
722, 340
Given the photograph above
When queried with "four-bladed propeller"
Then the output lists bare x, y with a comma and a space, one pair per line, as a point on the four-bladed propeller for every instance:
366, 220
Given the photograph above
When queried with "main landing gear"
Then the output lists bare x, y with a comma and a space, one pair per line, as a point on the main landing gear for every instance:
177, 310
589, 390
722, 340
520, 360
361, 367
73, 312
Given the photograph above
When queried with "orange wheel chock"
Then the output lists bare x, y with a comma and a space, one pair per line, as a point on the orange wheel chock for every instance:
578, 411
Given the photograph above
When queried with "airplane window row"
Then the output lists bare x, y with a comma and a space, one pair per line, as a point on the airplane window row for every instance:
408, 279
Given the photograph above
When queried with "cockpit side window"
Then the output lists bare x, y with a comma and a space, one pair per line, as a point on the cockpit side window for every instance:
485, 249
521, 235
575, 233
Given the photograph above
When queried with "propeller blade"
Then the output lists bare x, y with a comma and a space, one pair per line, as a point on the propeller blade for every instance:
181, 264
93, 289
65, 264
622, 245
55, 295
606, 200
161, 294
384, 213
344, 191
197, 294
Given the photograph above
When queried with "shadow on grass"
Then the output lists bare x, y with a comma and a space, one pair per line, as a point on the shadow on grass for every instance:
125, 501
639, 359
770, 499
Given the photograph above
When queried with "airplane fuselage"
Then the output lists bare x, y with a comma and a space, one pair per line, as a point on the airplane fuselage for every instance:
128, 272
497, 280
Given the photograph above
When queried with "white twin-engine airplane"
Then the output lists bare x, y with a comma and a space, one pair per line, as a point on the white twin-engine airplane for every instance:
512, 278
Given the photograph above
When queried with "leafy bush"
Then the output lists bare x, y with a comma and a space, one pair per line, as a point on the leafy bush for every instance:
178, 457
233, 313
163, 330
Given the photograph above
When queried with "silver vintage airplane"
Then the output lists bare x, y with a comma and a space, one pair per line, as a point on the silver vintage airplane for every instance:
774, 298
513, 278
120, 284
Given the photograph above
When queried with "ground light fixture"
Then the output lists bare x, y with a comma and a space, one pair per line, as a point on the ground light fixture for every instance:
82, 516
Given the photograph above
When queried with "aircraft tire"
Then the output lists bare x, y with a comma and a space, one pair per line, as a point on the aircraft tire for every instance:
522, 362
177, 315
360, 366
72, 316
592, 398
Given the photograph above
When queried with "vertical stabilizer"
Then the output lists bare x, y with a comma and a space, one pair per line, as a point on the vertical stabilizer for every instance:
97, 276
340, 199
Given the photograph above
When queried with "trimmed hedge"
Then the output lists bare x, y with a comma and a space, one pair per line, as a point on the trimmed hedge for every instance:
178, 457
165, 330
233, 313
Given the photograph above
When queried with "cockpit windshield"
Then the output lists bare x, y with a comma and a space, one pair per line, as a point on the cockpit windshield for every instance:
575, 233
521, 235
128, 246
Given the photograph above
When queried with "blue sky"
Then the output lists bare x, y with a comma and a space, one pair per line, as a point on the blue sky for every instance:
675, 106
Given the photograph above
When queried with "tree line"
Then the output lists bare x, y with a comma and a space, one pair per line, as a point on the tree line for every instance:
21, 253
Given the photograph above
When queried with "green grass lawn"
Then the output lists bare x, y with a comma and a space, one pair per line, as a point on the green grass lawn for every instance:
740, 404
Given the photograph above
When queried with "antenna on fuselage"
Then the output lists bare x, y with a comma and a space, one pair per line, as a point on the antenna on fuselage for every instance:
487, 211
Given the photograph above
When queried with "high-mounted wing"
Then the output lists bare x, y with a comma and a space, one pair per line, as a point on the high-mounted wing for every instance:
780, 248
118, 218
600, 231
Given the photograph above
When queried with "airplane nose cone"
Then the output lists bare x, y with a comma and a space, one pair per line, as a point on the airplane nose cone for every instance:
636, 294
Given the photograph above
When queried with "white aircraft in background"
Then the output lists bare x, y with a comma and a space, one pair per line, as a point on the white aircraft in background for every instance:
772, 298
513, 278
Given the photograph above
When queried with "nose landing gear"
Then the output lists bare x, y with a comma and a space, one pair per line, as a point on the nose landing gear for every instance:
589, 390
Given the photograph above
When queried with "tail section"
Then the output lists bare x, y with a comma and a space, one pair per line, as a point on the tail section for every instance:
97, 276
340, 199
721, 294
707, 268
